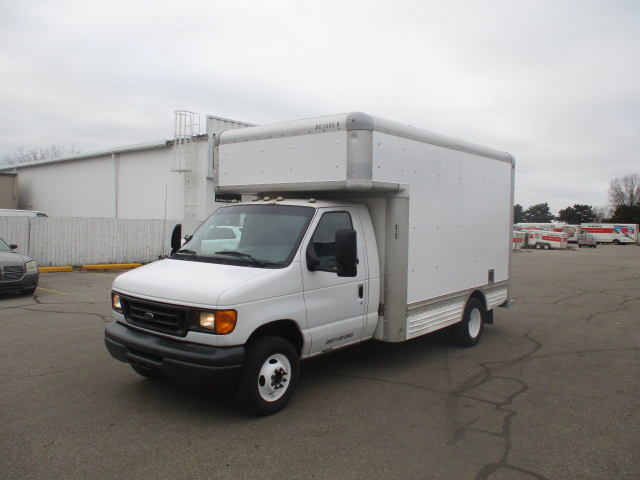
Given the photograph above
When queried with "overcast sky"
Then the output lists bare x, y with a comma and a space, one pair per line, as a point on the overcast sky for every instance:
556, 83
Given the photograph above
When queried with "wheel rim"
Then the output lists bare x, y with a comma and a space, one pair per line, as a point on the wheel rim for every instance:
273, 379
475, 322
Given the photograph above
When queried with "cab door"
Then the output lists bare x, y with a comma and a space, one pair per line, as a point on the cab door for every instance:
335, 304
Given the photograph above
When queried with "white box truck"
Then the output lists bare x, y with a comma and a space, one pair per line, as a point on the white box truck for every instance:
616, 233
361, 229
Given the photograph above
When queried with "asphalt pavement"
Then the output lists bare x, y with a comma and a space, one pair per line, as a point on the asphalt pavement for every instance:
551, 392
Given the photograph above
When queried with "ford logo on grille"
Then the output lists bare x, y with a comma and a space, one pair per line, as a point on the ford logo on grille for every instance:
148, 316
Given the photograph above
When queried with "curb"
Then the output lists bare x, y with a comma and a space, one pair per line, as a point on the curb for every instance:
113, 266
55, 269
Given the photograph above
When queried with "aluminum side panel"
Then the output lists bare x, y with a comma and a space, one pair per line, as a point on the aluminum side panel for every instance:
396, 242
459, 214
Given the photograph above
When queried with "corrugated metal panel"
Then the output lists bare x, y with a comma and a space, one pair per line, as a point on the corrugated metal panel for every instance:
85, 241
15, 230
218, 124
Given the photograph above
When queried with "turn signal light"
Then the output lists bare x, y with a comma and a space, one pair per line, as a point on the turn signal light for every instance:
221, 322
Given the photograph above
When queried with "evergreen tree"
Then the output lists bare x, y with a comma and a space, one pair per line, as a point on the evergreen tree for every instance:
539, 213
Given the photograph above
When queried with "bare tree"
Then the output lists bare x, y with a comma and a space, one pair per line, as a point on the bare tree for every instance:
37, 154
625, 191
601, 213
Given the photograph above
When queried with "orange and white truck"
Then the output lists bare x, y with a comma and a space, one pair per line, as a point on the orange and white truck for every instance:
518, 239
571, 230
616, 233
545, 240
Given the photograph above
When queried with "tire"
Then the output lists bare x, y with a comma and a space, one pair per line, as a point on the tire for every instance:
147, 372
616, 242
269, 376
546, 246
468, 331
538, 246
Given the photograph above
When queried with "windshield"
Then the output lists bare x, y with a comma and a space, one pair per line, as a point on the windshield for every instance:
4, 247
265, 236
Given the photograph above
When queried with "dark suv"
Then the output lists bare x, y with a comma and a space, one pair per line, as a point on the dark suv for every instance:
17, 271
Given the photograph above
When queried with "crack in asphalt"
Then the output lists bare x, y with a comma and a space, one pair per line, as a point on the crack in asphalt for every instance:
104, 318
468, 391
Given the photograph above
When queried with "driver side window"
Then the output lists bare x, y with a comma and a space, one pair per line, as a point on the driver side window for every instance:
323, 240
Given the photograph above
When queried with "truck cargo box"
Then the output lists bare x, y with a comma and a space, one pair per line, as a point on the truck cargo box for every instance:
441, 208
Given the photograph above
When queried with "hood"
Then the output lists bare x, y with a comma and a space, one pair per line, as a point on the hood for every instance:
13, 257
205, 284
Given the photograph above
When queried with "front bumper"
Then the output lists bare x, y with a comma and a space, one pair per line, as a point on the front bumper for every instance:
189, 363
27, 282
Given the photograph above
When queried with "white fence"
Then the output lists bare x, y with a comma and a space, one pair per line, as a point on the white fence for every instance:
55, 242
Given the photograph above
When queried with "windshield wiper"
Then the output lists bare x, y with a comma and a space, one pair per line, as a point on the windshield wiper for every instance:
246, 256
193, 253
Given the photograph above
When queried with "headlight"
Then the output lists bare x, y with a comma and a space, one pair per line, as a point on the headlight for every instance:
115, 301
221, 322
32, 267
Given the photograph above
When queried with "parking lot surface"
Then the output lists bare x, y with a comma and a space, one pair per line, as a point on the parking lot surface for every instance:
551, 392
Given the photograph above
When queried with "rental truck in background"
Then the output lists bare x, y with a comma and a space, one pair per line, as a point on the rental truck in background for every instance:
616, 233
545, 240
571, 230
359, 229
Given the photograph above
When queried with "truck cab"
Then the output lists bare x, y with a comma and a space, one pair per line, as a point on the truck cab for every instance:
299, 270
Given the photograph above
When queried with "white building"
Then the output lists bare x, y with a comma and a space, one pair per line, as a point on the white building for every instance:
169, 179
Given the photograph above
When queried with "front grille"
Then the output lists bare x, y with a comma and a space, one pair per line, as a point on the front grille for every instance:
13, 273
159, 317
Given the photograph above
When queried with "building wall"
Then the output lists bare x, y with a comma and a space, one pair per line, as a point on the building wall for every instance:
147, 188
125, 184
8, 191
80, 188
136, 182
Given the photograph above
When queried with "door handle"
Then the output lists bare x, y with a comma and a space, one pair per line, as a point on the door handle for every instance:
360, 292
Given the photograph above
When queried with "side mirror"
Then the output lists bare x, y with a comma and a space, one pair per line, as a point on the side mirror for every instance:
176, 238
347, 252
13, 246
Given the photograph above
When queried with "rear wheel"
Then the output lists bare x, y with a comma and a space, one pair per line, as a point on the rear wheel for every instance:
269, 376
616, 242
538, 246
546, 246
468, 331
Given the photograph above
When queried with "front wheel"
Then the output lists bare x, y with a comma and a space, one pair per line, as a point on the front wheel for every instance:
269, 376
468, 331
616, 242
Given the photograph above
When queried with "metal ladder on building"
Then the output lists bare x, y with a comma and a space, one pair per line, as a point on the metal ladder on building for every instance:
185, 158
